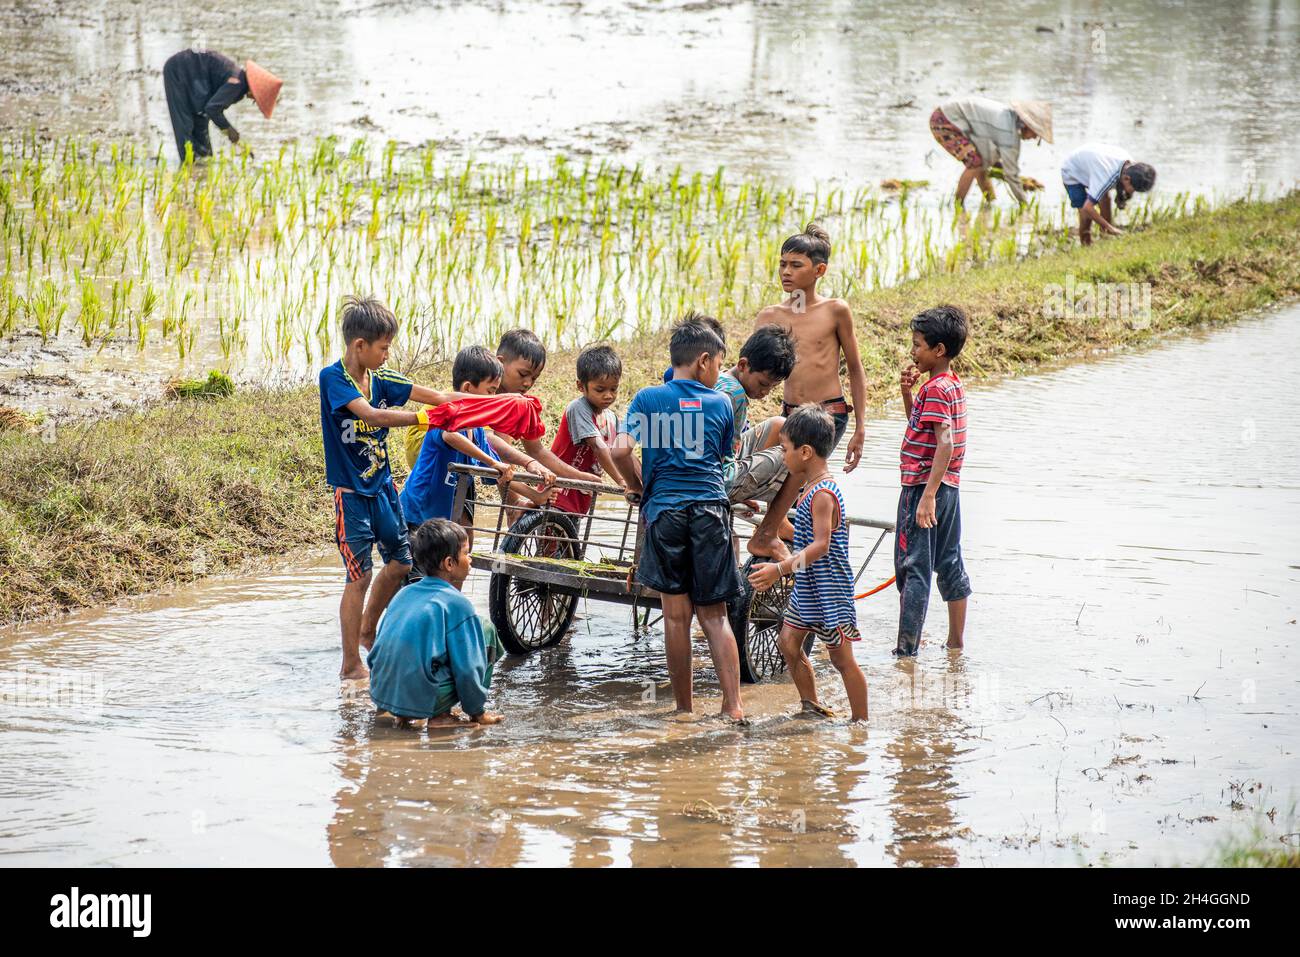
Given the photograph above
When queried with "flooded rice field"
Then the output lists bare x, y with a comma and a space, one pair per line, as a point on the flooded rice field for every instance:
1127, 695
806, 92
802, 109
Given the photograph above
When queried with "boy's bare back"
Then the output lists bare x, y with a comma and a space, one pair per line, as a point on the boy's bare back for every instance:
818, 331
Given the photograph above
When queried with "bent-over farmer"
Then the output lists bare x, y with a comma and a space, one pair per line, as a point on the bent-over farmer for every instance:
201, 84
982, 133
1090, 173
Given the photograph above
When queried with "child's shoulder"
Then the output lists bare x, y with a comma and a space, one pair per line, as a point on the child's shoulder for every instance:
839, 308
386, 374
651, 392
947, 383
777, 312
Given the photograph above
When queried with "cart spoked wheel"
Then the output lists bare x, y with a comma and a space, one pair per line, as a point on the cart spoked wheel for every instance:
532, 615
756, 621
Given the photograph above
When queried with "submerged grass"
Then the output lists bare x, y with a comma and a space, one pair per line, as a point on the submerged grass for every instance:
169, 494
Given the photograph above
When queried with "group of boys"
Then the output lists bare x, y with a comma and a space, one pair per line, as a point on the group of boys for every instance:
699, 455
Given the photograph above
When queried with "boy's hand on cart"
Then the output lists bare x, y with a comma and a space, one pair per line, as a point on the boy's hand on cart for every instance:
765, 575
925, 511
593, 478
535, 467
506, 474
488, 717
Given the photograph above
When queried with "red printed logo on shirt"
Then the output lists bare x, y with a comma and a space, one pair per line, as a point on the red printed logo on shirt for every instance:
684, 405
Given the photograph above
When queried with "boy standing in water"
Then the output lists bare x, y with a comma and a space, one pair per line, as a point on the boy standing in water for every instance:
684, 429
927, 536
822, 601
433, 651
359, 401
822, 330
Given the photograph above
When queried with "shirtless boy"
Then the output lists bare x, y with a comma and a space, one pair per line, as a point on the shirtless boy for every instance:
822, 330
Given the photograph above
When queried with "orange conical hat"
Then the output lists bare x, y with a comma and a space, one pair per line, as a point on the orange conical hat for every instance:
264, 85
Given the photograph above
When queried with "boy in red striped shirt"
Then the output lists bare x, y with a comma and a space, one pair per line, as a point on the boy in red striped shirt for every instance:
927, 538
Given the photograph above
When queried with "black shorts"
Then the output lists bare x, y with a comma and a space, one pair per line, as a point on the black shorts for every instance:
689, 551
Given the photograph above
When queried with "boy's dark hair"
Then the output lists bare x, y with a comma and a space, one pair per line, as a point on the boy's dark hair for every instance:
474, 364
595, 362
814, 242
695, 335
434, 542
522, 344
1142, 176
810, 424
367, 318
770, 349
946, 324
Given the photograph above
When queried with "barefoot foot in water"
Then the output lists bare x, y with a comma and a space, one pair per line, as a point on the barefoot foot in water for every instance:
357, 672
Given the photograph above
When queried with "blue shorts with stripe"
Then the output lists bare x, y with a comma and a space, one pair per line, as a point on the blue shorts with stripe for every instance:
364, 521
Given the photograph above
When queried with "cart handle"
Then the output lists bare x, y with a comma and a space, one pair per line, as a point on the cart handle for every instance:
744, 512
528, 478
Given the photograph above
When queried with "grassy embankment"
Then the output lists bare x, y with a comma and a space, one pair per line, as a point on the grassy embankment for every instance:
123, 506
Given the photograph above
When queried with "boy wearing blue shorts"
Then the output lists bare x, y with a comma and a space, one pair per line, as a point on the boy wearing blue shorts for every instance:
685, 431
1089, 175
359, 402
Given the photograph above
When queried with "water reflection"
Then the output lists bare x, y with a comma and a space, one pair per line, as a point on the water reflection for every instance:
748, 85
1131, 649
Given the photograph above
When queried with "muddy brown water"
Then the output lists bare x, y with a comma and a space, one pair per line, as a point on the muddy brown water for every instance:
1128, 694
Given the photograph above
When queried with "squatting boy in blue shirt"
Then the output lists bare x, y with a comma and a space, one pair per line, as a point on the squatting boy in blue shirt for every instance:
433, 651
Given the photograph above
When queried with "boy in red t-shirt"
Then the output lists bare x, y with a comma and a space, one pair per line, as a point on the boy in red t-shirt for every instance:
590, 425
927, 537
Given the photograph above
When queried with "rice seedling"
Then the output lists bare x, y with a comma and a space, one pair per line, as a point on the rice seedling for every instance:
463, 249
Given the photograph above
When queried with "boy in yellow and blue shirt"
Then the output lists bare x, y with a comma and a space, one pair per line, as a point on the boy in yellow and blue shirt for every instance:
360, 401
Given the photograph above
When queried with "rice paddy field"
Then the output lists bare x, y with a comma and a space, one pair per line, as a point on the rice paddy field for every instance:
591, 169
241, 264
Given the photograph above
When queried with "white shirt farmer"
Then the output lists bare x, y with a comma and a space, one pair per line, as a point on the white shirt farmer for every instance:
1096, 167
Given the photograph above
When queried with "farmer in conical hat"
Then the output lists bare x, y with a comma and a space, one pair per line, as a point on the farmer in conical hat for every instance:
201, 84
984, 133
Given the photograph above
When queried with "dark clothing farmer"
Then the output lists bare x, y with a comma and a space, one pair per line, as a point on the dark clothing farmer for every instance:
201, 85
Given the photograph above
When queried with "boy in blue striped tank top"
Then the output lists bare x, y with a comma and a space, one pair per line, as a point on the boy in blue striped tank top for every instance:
822, 600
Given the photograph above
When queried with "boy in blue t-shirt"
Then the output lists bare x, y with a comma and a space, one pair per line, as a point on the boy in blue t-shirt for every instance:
685, 431
430, 490
433, 651
359, 402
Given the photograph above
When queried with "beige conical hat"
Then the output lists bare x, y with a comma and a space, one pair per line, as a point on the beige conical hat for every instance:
264, 85
1035, 114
